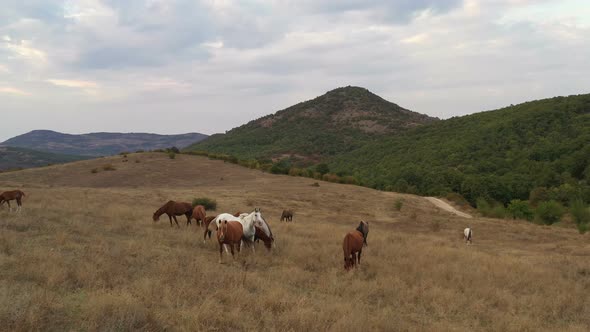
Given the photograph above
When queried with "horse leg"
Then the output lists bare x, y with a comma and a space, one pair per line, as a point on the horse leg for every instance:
176, 221
188, 219
220, 252
169, 217
232, 250
9, 207
359, 258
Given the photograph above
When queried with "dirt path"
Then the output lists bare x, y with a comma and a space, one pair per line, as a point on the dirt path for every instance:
445, 206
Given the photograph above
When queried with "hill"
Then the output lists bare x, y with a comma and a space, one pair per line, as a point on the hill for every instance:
336, 122
84, 254
99, 144
13, 158
499, 155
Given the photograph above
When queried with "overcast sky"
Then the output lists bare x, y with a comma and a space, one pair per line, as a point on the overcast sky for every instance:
175, 66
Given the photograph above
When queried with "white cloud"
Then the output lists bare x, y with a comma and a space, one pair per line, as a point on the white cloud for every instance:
12, 91
74, 83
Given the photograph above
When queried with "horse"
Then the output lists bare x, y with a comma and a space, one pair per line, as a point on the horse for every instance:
199, 214
467, 235
173, 209
353, 243
8, 196
206, 223
264, 233
287, 215
249, 222
229, 233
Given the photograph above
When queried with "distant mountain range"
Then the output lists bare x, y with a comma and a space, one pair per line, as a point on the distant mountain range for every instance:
99, 144
15, 158
337, 122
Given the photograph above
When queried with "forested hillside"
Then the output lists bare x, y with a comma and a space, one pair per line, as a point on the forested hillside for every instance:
499, 155
337, 122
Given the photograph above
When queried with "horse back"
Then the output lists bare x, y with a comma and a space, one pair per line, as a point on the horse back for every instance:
234, 232
353, 241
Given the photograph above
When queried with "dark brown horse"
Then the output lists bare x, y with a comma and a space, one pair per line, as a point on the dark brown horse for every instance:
229, 233
264, 233
173, 209
199, 214
353, 245
206, 223
287, 215
8, 196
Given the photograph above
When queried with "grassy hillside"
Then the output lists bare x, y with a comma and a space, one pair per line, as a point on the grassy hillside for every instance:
336, 122
14, 158
68, 263
500, 155
99, 144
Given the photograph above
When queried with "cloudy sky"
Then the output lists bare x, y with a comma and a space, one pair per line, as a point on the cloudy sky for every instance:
174, 66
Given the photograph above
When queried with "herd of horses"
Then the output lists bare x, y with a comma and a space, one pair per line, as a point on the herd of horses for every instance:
239, 229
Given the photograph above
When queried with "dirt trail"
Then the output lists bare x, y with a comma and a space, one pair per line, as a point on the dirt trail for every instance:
445, 206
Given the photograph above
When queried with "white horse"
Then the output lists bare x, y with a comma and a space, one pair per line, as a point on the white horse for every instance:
249, 221
467, 235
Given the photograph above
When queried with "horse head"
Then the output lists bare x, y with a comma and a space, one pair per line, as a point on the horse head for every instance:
155, 217
222, 230
364, 229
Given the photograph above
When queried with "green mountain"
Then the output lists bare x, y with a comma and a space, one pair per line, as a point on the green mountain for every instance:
337, 122
15, 158
500, 155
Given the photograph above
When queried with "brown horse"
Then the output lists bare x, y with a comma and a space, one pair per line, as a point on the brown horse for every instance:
199, 214
287, 215
8, 196
173, 209
207, 221
229, 233
353, 245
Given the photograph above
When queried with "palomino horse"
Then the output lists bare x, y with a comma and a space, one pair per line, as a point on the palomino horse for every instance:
173, 209
467, 235
199, 214
8, 196
229, 233
353, 244
287, 215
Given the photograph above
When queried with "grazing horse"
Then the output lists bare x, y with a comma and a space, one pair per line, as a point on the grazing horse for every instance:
467, 235
206, 223
287, 215
199, 214
173, 209
353, 244
8, 196
229, 233
264, 233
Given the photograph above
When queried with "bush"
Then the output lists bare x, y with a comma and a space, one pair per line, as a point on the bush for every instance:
518, 209
549, 212
94, 170
457, 199
580, 212
208, 203
108, 167
582, 228
331, 178
171, 155
322, 169
538, 195
398, 204
315, 184
490, 209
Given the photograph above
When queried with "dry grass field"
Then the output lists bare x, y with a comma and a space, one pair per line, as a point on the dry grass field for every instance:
85, 255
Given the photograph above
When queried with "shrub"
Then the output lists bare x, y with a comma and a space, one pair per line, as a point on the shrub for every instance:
331, 178
457, 199
137, 161
171, 155
538, 195
580, 212
518, 209
315, 184
208, 203
549, 212
490, 209
322, 169
398, 204
582, 228
94, 170
350, 180
108, 167
139, 151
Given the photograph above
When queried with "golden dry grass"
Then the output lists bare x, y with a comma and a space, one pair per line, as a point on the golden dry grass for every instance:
85, 255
